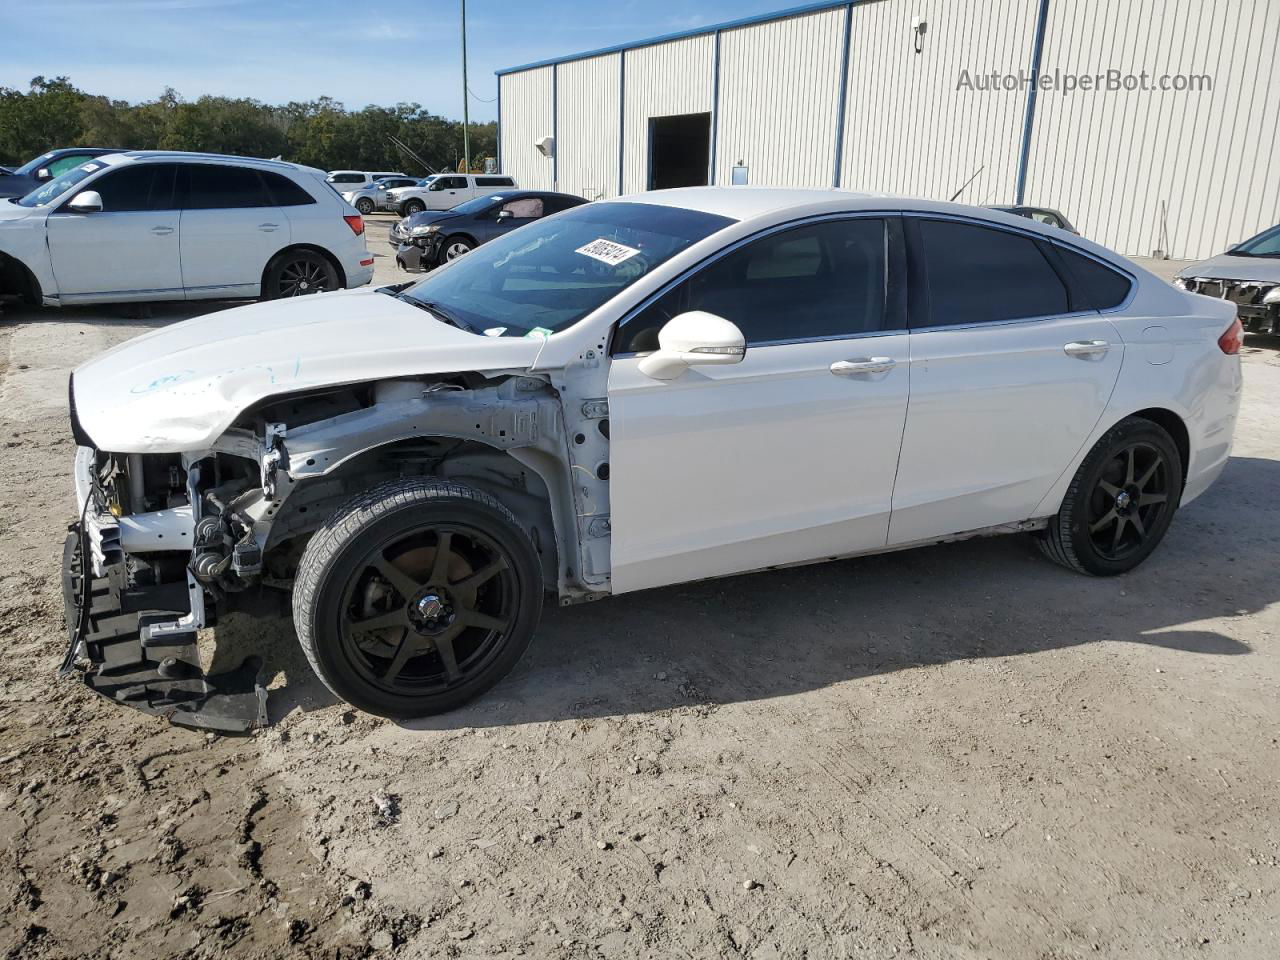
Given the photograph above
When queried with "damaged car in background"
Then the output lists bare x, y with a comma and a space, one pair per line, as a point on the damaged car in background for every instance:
1247, 275
630, 394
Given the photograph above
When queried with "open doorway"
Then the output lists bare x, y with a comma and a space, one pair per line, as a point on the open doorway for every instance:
679, 150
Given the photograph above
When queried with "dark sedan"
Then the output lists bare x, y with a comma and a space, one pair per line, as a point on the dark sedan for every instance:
34, 173
433, 237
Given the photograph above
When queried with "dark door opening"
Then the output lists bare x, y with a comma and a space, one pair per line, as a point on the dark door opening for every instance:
679, 150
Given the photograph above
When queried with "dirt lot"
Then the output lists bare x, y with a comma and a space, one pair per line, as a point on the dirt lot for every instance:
959, 752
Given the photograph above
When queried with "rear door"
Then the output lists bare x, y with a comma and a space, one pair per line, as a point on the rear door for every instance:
786, 456
129, 250
1008, 379
231, 227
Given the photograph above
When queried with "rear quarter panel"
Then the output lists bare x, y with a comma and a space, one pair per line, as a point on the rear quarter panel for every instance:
1172, 361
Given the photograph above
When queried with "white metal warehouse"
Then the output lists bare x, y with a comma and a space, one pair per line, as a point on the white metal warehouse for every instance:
886, 95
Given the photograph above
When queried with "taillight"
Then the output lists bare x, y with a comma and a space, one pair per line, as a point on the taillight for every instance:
355, 222
1233, 339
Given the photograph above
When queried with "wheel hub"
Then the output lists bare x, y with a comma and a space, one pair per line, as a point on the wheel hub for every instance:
1123, 500
431, 611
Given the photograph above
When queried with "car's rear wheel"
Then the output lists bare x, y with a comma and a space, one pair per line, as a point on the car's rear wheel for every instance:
1120, 502
455, 247
416, 597
364, 205
296, 273
411, 207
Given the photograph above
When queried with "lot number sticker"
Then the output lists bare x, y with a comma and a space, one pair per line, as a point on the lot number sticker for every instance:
606, 251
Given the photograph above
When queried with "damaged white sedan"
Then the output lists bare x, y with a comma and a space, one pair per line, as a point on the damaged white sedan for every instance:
630, 394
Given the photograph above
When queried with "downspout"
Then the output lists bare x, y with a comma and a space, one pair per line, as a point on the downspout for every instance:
622, 115
715, 110
1037, 51
844, 96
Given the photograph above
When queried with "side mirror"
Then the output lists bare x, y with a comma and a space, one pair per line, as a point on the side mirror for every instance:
693, 339
43, 173
90, 201
505, 214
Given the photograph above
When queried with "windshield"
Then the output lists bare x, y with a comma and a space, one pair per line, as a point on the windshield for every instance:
59, 185
545, 277
1265, 244
478, 205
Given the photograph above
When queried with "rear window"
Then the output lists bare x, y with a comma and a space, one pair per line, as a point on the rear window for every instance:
1092, 284
284, 192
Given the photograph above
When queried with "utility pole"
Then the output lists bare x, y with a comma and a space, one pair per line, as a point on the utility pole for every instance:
466, 116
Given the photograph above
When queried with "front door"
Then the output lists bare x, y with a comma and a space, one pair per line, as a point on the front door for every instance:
1008, 381
231, 228
786, 456
446, 192
126, 251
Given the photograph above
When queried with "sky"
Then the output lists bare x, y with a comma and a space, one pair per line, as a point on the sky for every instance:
357, 53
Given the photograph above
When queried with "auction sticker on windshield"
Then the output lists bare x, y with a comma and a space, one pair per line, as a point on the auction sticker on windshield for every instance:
606, 251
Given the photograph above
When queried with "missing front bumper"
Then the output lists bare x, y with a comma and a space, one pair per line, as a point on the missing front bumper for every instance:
159, 675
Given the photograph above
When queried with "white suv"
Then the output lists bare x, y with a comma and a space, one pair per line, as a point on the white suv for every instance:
445, 191
147, 226
345, 181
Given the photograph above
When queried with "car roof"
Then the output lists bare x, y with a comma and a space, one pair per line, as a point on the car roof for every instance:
175, 155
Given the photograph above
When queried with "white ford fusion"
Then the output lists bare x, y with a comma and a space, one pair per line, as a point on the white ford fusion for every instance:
630, 394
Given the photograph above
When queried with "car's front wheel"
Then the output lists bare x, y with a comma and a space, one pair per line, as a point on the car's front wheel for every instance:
296, 273
416, 597
455, 247
364, 205
1120, 502
411, 207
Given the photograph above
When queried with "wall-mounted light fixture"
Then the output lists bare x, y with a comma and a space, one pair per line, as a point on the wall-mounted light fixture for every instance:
546, 146
919, 27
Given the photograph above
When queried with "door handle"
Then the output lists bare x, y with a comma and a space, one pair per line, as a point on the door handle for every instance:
162, 231
862, 366
267, 227
1087, 349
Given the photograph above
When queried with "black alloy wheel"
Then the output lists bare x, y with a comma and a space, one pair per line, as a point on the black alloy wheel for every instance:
298, 273
1120, 503
417, 596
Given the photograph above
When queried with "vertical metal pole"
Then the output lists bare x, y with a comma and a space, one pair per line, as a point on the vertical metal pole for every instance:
1037, 52
466, 114
498, 146
844, 95
622, 115
715, 111
555, 127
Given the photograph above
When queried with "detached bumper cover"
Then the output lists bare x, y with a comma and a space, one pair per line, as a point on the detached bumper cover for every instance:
159, 675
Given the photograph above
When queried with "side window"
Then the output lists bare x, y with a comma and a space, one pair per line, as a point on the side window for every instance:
505, 182
981, 275
284, 192
211, 187
527, 208
824, 280
60, 166
136, 187
1093, 285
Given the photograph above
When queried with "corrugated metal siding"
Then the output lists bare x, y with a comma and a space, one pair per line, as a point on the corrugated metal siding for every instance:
587, 100
662, 80
909, 126
1109, 159
526, 118
779, 89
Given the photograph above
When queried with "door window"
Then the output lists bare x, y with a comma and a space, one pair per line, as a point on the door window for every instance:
820, 281
60, 166
137, 187
1093, 286
449, 183
222, 187
978, 274
526, 208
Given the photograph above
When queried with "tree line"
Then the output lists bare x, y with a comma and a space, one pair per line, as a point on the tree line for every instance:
319, 133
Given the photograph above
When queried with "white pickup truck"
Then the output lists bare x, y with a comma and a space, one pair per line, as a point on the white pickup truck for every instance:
445, 191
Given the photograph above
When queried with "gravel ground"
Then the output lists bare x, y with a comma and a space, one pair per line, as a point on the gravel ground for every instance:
958, 752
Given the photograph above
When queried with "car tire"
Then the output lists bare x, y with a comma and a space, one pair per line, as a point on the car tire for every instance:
294, 273
364, 205
455, 247
410, 207
1120, 503
444, 630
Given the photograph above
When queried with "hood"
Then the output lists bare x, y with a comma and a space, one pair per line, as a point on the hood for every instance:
11, 211
428, 216
1228, 267
178, 388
